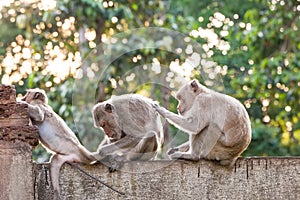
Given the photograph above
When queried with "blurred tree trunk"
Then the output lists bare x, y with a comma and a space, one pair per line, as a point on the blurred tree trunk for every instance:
83, 49
101, 86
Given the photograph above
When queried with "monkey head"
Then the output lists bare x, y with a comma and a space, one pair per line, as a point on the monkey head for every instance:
105, 117
35, 96
187, 94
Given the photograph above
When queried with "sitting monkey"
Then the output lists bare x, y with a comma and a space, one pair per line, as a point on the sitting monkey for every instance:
218, 125
133, 128
55, 136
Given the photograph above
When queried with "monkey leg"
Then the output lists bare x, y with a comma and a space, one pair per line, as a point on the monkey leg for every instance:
134, 149
184, 155
183, 148
57, 160
55, 165
146, 149
200, 144
211, 148
209, 137
194, 144
118, 146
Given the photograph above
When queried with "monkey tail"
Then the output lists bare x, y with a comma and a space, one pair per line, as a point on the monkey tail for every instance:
96, 179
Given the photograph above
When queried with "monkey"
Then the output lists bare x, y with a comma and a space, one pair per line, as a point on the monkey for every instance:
218, 125
55, 136
132, 127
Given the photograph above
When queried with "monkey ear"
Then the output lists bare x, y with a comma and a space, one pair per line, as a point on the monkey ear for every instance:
194, 85
108, 108
37, 95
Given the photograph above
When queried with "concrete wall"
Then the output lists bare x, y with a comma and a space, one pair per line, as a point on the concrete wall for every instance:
17, 138
251, 178
16, 171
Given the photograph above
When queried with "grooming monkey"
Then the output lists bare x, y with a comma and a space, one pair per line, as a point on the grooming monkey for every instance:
218, 125
133, 128
55, 136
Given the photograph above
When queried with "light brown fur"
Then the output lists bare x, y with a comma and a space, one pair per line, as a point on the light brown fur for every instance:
55, 135
133, 128
218, 125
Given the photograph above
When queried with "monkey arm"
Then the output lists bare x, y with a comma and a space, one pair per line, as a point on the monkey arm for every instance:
103, 142
120, 145
35, 112
192, 124
162, 111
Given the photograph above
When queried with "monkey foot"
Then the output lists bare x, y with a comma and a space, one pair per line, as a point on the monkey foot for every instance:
172, 151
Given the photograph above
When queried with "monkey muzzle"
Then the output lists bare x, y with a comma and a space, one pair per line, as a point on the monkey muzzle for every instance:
110, 133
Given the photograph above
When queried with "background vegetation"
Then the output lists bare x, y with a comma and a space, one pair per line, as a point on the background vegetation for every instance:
252, 46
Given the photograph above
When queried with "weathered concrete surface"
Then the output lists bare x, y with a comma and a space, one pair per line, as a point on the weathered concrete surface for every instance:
251, 178
13, 114
16, 171
28, 134
17, 139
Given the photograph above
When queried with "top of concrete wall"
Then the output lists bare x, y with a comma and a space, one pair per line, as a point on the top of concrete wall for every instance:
251, 178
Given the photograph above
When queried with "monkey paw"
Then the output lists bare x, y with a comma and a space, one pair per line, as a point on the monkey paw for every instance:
159, 109
115, 163
172, 151
22, 102
115, 166
175, 155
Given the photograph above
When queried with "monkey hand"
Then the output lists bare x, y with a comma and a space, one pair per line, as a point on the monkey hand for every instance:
115, 163
159, 109
19, 101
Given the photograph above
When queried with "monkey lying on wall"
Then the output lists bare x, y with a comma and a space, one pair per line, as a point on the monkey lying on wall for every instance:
55, 136
218, 125
132, 126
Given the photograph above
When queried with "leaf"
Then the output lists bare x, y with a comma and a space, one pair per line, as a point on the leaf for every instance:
135, 6
31, 80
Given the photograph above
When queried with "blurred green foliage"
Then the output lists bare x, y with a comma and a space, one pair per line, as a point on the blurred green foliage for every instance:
254, 46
